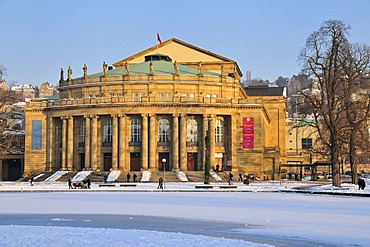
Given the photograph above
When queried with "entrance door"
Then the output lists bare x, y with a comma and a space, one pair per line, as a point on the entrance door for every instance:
192, 162
107, 161
82, 161
135, 161
164, 159
11, 169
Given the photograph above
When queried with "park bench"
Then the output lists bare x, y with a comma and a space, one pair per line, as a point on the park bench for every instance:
228, 187
127, 185
107, 185
203, 186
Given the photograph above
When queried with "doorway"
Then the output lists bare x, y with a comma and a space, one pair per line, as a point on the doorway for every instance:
135, 161
192, 161
107, 161
164, 161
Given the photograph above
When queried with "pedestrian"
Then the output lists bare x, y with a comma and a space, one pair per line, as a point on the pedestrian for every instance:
240, 177
128, 177
70, 183
231, 178
160, 183
88, 181
31, 180
217, 168
135, 177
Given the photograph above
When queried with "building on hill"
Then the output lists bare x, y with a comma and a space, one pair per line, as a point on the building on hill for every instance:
25, 90
46, 89
154, 111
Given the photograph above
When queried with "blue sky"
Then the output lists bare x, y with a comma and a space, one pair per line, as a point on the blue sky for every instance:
38, 37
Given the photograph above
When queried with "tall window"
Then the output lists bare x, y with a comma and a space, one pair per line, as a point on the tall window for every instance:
164, 130
219, 131
135, 130
82, 131
107, 130
192, 131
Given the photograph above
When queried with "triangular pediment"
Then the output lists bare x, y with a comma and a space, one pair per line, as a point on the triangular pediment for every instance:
179, 51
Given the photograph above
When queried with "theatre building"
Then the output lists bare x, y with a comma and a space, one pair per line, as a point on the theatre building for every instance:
167, 107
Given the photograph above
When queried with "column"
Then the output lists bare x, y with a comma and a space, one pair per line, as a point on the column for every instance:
50, 145
183, 136
205, 130
175, 142
153, 143
122, 142
212, 140
234, 139
144, 142
70, 144
87, 142
64, 142
115, 143
94, 142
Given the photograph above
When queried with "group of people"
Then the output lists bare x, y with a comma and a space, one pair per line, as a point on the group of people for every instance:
84, 184
129, 177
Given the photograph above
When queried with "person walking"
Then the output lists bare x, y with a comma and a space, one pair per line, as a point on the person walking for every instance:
135, 177
160, 183
231, 178
240, 177
70, 183
31, 180
128, 177
88, 182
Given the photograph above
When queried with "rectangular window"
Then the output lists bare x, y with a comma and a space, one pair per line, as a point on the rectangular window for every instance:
160, 95
36, 134
306, 143
192, 95
168, 95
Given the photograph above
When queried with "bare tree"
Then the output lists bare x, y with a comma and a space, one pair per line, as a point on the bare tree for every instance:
9, 140
320, 59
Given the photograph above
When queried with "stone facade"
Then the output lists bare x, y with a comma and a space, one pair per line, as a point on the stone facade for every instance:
153, 112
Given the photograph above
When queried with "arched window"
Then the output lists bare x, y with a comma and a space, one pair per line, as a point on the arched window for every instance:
107, 130
219, 131
82, 132
164, 130
135, 130
192, 132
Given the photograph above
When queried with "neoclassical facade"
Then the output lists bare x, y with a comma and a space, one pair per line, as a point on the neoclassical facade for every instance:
153, 111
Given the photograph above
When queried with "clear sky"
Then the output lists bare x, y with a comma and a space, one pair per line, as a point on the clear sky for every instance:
38, 37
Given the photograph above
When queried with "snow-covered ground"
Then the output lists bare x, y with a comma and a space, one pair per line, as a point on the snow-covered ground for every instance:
298, 219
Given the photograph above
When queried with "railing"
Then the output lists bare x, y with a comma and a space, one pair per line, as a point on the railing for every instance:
148, 99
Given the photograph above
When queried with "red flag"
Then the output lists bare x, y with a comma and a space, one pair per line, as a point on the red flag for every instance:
159, 38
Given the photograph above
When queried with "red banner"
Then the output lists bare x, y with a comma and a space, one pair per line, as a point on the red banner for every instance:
248, 132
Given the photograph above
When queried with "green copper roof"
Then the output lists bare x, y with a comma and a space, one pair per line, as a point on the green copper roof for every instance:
159, 68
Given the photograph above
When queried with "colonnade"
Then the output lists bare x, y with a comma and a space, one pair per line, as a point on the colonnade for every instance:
120, 149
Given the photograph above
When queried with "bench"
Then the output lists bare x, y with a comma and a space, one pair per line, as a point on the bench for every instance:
203, 186
228, 187
127, 185
107, 185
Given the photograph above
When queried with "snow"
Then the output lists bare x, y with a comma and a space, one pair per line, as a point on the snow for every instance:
113, 176
182, 176
263, 208
55, 176
145, 176
215, 176
82, 175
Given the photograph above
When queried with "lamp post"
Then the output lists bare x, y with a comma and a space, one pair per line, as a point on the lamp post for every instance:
164, 169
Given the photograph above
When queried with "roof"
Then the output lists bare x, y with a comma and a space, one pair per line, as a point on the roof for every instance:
159, 68
264, 90
180, 42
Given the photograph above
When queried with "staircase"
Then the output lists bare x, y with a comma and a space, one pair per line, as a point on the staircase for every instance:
169, 176
195, 176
